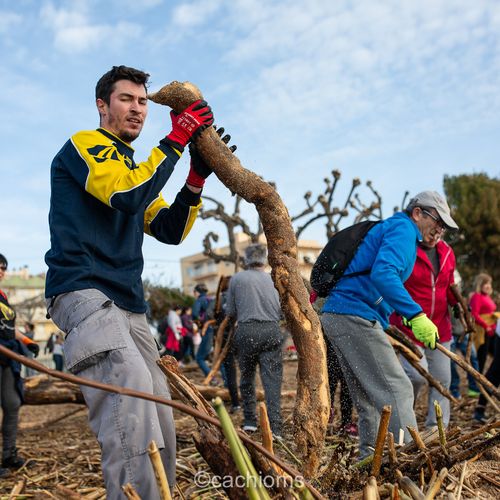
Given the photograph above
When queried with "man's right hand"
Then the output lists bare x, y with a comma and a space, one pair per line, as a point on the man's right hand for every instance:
189, 123
424, 330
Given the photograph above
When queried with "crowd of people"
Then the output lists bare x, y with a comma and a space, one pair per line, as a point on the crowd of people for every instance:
102, 202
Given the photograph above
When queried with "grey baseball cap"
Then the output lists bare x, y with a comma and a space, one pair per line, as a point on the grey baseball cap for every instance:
432, 199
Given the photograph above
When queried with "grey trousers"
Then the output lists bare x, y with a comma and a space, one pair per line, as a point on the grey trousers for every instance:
259, 343
110, 345
374, 375
438, 365
10, 402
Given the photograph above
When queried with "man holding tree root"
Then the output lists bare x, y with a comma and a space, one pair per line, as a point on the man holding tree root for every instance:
357, 311
102, 202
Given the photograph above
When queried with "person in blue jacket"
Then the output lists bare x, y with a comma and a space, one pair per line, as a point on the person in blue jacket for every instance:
357, 311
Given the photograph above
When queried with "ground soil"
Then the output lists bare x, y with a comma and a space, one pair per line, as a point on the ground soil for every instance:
64, 457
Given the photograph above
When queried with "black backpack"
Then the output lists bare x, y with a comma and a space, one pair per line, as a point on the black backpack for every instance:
336, 256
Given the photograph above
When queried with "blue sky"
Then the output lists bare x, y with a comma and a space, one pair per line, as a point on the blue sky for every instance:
400, 93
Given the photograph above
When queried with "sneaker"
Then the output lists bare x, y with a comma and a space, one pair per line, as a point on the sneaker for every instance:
235, 408
13, 461
350, 429
473, 394
249, 428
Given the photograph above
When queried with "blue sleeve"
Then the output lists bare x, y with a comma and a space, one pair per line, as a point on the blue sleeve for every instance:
392, 267
199, 306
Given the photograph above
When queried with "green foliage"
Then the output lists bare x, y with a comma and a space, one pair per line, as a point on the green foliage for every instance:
474, 202
162, 298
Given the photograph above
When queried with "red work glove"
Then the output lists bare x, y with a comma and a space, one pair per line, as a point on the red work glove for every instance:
199, 170
189, 123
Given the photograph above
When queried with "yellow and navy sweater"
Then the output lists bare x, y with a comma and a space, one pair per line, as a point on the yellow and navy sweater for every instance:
101, 204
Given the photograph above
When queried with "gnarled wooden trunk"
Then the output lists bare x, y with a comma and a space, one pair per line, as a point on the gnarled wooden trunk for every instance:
313, 401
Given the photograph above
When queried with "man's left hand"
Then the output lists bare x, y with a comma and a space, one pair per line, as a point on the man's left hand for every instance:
199, 170
34, 348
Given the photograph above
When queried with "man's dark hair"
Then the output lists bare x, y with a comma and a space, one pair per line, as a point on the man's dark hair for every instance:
3, 260
106, 83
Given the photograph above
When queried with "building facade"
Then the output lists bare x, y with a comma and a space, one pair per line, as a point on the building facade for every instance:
199, 268
26, 293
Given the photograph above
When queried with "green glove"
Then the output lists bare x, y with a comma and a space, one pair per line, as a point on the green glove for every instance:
424, 330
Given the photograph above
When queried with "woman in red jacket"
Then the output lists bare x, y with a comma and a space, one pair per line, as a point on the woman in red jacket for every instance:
481, 303
429, 286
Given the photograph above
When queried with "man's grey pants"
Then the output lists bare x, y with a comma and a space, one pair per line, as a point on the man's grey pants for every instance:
108, 344
374, 375
438, 365
259, 343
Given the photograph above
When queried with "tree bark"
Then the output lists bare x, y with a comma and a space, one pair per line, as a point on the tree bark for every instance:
313, 401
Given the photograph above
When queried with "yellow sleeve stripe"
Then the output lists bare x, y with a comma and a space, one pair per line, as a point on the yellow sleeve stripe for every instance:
193, 213
108, 171
152, 211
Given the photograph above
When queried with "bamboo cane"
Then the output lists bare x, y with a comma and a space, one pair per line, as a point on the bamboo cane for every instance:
159, 470
409, 487
489, 398
420, 445
393, 457
17, 489
480, 378
254, 487
130, 492
432, 381
304, 493
408, 353
265, 428
436, 485
440, 425
397, 334
223, 353
461, 481
379, 443
370, 491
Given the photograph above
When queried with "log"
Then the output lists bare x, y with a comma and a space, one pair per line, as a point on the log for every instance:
44, 389
312, 406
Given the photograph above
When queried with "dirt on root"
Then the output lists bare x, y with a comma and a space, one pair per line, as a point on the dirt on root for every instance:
63, 456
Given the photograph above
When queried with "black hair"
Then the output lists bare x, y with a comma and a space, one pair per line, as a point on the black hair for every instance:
3, 260
106, 83
201, 288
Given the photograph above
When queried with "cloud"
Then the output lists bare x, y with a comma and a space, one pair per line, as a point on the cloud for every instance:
8, 21
75, 32
193, 14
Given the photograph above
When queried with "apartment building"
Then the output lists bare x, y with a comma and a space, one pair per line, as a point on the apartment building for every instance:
199, 268
26, 294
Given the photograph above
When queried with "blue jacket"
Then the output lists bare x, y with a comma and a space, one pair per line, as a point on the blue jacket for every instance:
389, 250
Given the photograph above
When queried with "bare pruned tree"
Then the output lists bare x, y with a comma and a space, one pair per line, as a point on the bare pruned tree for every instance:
232, 222
324, 207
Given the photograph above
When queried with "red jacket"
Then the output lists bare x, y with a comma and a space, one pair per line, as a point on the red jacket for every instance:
432, 292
